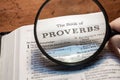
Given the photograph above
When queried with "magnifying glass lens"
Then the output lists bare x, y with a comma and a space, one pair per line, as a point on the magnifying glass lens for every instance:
70, 31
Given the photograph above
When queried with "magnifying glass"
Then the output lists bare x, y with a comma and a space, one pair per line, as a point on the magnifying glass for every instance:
72, 32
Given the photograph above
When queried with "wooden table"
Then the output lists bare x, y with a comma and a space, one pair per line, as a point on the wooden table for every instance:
16, 13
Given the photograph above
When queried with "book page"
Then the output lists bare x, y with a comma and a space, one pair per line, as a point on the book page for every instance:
34, 66
8, 52
72, 38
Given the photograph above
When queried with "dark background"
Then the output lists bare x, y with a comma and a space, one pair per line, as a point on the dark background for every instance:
16, 13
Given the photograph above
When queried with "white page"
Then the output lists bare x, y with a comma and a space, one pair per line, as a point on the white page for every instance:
7, 56
0, 70
71, 33
34, 67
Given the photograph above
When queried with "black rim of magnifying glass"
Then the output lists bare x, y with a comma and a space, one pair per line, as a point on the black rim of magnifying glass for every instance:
80, 63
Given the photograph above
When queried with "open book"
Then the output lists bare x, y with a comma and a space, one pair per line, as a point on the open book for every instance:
20, 59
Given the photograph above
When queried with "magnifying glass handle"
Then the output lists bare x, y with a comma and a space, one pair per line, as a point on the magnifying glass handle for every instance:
114, 32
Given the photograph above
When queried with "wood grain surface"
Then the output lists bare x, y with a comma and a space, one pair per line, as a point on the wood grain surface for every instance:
16, 13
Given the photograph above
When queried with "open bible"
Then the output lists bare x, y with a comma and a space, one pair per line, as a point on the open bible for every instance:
20, 59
